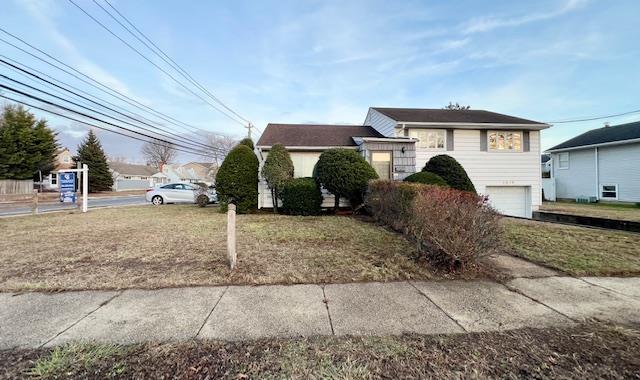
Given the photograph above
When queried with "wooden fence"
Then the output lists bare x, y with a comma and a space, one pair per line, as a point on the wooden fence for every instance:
15, 186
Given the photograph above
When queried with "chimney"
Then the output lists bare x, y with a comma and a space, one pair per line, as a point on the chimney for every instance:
606, 124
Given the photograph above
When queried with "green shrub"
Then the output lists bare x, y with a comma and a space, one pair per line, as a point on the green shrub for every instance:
451, 171
277, 171
426, 178
452, 228
301, 196
344, 173
248, 142
238, 179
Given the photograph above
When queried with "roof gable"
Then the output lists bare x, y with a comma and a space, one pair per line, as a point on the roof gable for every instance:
616, 133
131, 169
314, 135
432, 115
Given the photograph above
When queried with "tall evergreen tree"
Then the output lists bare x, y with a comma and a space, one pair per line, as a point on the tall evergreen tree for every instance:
90, 152
27, 145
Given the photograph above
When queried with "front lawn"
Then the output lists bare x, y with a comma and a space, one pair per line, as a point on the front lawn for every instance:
579, 352
618, 211
167, 246
576, 250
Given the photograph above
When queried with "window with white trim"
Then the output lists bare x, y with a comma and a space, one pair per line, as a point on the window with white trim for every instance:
563, 160
54, 178
504, 141
434, 139
608, 191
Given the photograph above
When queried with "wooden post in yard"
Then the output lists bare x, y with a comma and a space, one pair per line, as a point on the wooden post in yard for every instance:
231, 235
34, 205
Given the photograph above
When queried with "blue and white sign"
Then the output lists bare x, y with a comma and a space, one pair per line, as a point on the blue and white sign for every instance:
67, 182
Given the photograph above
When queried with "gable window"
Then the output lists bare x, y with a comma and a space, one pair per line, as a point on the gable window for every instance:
563, 160
609, 191
434, 139
504, 141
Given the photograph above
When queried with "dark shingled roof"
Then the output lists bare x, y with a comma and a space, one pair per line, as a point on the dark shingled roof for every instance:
603, 135
427, 115
131, 169
314, 134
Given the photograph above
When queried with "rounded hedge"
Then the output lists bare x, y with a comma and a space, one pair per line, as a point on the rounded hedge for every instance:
248, 142
451, 171
301, 196
345, 173
427, 178
238, 178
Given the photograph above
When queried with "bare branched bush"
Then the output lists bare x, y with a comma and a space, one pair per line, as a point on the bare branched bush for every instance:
452, 228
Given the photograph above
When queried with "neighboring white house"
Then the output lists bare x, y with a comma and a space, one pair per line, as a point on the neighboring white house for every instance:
131, 177
602, 163
500, 153
390, 157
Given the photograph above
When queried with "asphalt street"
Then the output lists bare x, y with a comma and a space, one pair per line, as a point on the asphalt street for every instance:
25, 209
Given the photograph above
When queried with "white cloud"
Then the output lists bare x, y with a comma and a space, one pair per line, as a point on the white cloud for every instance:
486, 24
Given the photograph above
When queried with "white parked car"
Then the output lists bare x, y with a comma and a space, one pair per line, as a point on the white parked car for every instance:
179, 192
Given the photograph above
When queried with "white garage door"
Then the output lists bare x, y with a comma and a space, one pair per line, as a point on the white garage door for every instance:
510, 200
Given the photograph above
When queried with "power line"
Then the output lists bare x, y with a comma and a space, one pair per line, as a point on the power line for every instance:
186, 139
93, 125
154, 64
95, 83
41, 100
92, 110
164, 56
594, 117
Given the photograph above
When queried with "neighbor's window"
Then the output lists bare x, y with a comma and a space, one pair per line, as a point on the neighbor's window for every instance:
66, 159
609, 191
504, 141
563, 160
54, 178
429, 138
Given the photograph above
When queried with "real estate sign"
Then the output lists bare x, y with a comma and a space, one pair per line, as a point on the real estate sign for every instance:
67, 183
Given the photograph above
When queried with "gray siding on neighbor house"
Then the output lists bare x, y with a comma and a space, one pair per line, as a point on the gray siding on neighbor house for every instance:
382, 123
580, 178
404, 164
617, 165
620, 165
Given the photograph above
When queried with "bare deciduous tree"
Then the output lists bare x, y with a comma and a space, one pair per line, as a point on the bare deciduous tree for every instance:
220, 146
456, 107
158, 153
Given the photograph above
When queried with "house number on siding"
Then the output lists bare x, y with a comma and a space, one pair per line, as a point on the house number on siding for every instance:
510, 182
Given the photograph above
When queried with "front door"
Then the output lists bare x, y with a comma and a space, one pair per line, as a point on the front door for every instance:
381, 162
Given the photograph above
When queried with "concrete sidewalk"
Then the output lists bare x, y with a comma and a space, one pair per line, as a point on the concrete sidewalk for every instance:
247, 312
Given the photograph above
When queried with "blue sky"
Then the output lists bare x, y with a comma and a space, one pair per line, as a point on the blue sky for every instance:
328, 61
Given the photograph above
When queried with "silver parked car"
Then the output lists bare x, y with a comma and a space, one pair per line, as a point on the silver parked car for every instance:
179, 192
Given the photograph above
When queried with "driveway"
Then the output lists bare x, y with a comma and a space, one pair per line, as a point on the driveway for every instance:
25, 209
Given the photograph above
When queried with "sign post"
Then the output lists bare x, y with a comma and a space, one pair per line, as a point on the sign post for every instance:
231, 234
67, 183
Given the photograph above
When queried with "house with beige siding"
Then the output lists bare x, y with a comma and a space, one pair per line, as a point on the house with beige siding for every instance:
391, 157
500, 153
603, 164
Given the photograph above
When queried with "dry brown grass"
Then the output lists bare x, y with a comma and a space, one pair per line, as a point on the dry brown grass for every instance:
576, 250
578, 352
597, 210
151, 247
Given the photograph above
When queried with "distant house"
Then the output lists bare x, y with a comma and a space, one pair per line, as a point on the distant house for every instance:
602, 163
64, 160
192, 172
131, 177
545, 164
305, 143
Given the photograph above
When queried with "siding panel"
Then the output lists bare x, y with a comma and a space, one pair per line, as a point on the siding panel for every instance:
580, 178
493, 168
380, 122
621, 165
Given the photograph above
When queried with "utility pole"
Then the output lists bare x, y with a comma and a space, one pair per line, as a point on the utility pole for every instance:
249, 128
